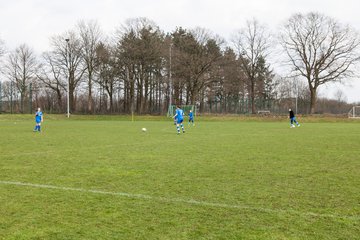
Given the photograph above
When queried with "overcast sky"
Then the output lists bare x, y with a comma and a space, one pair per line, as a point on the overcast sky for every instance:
34, 21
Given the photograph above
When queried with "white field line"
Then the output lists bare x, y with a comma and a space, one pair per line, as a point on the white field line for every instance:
179, 200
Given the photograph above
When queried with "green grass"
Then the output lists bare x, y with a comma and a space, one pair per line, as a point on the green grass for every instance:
247, 179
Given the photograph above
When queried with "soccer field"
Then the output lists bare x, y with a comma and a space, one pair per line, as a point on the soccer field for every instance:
106, 179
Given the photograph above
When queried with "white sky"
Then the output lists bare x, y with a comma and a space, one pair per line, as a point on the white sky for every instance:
34, 21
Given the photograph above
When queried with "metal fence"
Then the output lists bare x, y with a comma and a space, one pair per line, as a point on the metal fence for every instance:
12, 101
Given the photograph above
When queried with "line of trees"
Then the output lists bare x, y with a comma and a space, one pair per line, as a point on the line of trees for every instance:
142, 69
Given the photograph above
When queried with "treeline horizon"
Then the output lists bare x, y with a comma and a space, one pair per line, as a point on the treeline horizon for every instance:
143, 70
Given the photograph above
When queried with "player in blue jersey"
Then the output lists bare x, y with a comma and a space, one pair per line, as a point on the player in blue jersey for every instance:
38, 120
191, 118
179, 117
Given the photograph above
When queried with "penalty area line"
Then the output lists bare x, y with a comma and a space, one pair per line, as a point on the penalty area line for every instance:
179, 200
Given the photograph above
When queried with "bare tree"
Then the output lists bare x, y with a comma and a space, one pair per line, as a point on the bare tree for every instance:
90, 37
320, 49
107, 78
20, 68
252, 44
50, 75
67, 56
340, 96
7, 93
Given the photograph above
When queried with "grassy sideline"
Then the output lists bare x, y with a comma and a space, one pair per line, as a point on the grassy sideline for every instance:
100, 177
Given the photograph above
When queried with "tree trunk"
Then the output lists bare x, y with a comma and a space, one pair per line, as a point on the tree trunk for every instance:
132, 97
192, 98
59, 102
72, 102
111, 102
253, 97
22, 102
144, 104
71, 86
90, 100
312, 100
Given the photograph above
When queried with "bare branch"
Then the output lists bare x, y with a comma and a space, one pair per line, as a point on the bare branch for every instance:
320, 49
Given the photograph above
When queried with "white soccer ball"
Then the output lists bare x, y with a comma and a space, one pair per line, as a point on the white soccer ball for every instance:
143, 129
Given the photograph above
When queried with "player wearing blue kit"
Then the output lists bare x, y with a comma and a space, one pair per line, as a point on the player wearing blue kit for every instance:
191, 118
179, 117
38, 120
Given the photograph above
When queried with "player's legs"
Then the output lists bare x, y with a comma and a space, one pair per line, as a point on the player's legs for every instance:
182, 126
297, 123
37, 127
292, 122
178, 122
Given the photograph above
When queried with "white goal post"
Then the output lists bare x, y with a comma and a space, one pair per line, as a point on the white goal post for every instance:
354, 112
186, 108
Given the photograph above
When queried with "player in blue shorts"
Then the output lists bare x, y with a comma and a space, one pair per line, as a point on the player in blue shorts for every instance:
293, 119
179, 117
191, 118
38, 119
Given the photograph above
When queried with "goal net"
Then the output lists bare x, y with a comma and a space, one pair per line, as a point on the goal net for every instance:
185, 108
354, 112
